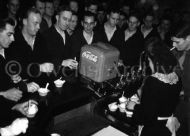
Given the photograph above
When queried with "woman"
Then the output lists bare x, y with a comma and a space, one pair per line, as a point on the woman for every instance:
160, 91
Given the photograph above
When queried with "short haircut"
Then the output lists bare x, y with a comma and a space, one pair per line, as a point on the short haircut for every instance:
91, 2
89, 14
136, 15
31, 10
182, 31
63, 8
4, 22
114, 10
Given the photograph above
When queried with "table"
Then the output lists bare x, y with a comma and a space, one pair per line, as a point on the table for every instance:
116, 119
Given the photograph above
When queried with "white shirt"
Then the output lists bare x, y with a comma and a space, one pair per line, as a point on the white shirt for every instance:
88, 37
109, 32
128, 34
62, 33
145, 32
2, 53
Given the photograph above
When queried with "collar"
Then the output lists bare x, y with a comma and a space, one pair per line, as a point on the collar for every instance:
2, 52
170, 78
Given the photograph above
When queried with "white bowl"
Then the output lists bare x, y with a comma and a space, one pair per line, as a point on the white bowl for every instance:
122, 107
43, 91
113, 106
129, 113
32, 110
59, 82
122, 99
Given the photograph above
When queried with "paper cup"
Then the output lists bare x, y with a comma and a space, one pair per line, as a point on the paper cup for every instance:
59, 82
32, 110
43, 91
113, 106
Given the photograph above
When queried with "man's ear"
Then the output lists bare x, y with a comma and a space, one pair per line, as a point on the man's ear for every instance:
82, 23
188, 38
57, 16
24, 21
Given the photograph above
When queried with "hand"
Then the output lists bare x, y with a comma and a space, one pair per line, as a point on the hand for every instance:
72, 64
23, 107
46, 67
32, 87
131, 105
16, 78
12, 94
18, 126
120, 63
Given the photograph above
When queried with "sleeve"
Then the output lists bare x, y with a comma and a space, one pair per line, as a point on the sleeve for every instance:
145, 113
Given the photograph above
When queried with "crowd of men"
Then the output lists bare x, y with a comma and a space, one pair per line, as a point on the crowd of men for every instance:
50, 35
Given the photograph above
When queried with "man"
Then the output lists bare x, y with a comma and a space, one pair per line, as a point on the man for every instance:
9, 95
92, 6
58, 42
134, 41
29, 49
147, 28
74, 6
13, 7
73, 24
40, 5
86, 36
181, 41
109, 31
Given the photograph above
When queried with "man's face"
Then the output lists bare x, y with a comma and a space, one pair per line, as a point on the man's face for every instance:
49, 9
40, 6
74, 6
13, 6
6, 36
88, 24
113, 19
148, 21
181, 44
133, 23
32, 23
73, 22
93, 9
63, 19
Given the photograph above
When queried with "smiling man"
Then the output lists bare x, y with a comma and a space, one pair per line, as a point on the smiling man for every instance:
58, 42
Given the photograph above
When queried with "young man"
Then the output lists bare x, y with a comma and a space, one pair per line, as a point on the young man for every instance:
109, 31
84, 36
181, 41
9, 94
58, 42
29, 48
134, 41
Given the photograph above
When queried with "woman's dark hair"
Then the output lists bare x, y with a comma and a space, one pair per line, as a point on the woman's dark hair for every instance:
163, 60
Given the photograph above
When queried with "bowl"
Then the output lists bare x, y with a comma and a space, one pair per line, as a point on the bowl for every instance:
135, 98
122, 99
113, 106
59, 82
122, 107
129, 113
43, 91
32, 110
